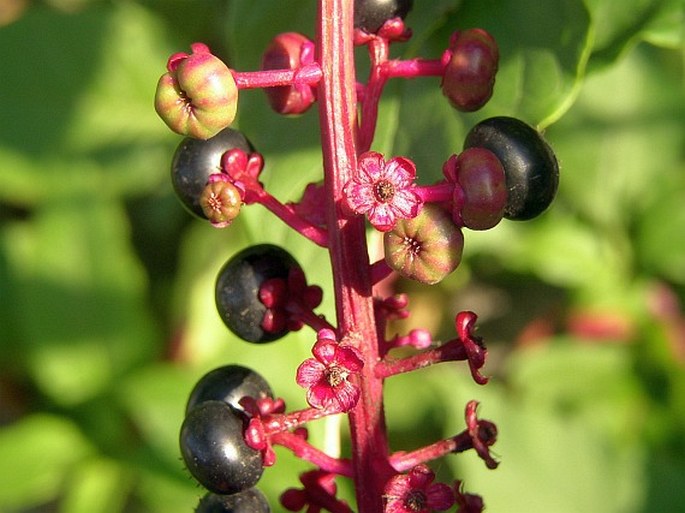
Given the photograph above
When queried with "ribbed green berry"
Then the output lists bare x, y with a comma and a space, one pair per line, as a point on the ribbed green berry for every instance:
198, 96
426, 248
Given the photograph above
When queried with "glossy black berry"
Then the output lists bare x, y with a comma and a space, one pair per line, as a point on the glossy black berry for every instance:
237, 290
370, 15
248, 501
214, 449
230, 384
196, 159
530, 166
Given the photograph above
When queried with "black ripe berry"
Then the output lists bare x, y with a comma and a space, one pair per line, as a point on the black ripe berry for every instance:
214, 449
230, 384
237, 290
370, 15
530, 167
248, 501
196, 159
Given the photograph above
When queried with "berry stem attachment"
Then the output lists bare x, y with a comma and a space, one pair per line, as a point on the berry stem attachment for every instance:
304, 450
437, 193
413, 68
309, 74
378, 53
317, 235
380, 270
451, 351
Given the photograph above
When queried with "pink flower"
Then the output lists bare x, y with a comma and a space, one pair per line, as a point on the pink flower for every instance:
326, 375
415, 492
384, 191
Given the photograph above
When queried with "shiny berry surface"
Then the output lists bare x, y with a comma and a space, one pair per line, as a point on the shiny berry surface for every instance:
237, 290
214, 449
248, 501
370, 15
229, 383
483, 188
196, 159
469, 77
530, 166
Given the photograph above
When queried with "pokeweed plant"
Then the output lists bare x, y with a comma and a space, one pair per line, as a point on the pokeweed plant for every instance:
506, 170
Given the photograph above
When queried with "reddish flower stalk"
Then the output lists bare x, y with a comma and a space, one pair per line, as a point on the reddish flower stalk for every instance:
478, 435
348, 250
351, 357
309, 74
466, 346
304, 450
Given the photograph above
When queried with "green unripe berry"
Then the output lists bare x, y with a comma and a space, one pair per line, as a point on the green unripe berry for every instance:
198, 96
426, 248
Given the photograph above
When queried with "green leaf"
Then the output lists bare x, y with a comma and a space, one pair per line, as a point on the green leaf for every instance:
660, 236
38, 454
620, 24
78, 296
544, 47
97, 486
155, 399
562, 440
82, 111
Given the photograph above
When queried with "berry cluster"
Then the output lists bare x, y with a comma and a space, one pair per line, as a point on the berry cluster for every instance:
505, 170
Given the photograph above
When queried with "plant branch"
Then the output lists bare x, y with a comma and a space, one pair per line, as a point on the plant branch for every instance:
348, 251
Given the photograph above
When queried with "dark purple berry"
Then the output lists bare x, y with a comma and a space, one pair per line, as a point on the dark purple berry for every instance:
370, 15
238, 285
248, 501
230, 384
530, 166
483, 189
214, 449
469, 76
196, 159
288, 51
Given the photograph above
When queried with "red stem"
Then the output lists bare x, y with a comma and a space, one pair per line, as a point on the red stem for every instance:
348, 250
413, 68
289, 217
378, 53
304, 450
309, 74
450, 351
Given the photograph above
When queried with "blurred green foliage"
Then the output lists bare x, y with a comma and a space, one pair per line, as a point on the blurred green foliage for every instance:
106, 303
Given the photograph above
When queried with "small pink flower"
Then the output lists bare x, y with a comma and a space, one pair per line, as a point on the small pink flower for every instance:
384, 191
415, 492
326, 375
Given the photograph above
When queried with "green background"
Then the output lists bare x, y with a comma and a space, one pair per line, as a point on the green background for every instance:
106, 283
